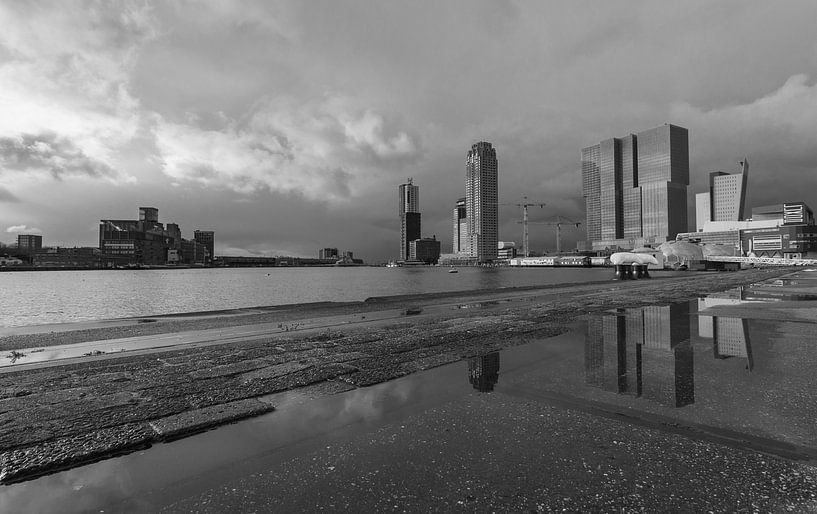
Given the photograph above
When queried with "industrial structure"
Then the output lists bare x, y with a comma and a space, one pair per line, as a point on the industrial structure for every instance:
524, 221
147, 242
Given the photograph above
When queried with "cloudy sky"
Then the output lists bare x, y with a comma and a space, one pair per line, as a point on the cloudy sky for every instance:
287, 126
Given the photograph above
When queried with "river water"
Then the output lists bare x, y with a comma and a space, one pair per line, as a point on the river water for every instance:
34, 298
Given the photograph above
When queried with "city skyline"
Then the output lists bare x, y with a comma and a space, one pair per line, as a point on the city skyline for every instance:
288, 126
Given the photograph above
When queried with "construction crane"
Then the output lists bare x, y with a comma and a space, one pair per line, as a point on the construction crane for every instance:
557, 222
524, 205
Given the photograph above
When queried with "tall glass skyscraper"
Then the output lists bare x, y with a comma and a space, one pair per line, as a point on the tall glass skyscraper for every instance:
635, 187
481, 199
409, 211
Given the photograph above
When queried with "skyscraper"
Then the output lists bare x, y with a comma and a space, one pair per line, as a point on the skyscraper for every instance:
726, 199
481, 198
460, 238
635, 187
409, 211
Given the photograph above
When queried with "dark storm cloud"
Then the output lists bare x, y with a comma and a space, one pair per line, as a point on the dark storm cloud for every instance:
308, 115
48, 152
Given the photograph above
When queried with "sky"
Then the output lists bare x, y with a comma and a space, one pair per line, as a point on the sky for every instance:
287, 127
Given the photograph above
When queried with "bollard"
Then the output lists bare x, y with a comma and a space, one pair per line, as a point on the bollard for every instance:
621, 273
634, 271
645, 269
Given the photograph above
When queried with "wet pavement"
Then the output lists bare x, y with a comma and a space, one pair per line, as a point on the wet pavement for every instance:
693, 406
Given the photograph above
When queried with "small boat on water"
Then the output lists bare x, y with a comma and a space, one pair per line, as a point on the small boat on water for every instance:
453, 270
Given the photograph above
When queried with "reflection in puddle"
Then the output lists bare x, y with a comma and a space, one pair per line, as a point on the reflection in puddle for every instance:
483, 372
730, 335
643, 352
648, 352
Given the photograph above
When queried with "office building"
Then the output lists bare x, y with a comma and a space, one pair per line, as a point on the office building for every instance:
726, 198
206, 238
29, 244
425, 250
408, 209
635, 188
481, 202
460, 239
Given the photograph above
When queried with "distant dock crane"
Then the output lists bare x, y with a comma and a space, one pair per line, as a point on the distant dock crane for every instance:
557, 222
524, 205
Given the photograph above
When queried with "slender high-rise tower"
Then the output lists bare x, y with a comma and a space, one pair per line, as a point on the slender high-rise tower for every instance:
481, 199
409, 211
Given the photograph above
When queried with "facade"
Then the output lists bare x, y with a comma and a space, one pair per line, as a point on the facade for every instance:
506, 250
328, 253
460, 238
408, 209
426, 250
481, 202
84, 257
726, 198
207, 238
793, 213
409, 197
635, 188
409, 231
192, 253
785, 241
29, 244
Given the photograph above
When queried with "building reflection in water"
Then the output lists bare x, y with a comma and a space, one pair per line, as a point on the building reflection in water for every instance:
643, 352
483, 372
730, 336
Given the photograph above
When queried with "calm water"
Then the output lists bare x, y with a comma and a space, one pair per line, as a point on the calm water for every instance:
33, 298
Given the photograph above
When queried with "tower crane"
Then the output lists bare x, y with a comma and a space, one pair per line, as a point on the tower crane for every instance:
524, 205
557, 222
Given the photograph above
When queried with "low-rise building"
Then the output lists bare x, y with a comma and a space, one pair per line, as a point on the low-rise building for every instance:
77, 257
426, 250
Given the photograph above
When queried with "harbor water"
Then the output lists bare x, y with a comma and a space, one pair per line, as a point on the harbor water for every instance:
34, 298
